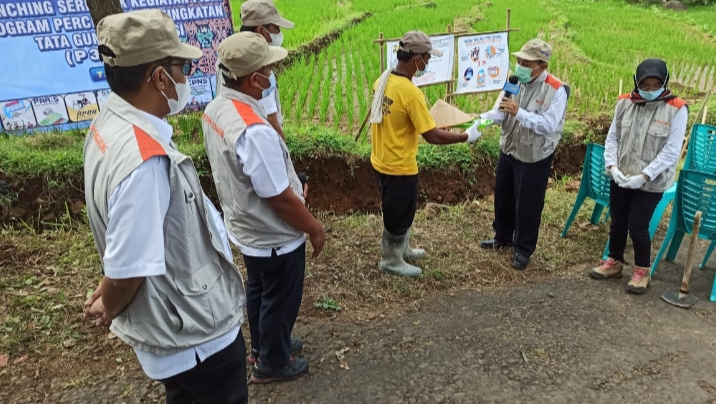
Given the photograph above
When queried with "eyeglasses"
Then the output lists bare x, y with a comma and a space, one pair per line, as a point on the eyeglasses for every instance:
653, 87
185, 66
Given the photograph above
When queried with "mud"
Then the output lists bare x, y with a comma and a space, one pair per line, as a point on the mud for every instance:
336, 185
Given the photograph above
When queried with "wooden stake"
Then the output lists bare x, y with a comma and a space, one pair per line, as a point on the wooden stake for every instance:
509, 14
621, 87
382, 54
706, 112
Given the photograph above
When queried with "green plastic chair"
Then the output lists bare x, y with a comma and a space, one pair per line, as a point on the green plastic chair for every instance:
696, 191
594, 185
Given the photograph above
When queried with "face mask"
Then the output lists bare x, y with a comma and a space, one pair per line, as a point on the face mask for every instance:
651, 95
183, 92
276, 39
524, 74
265, 94
420, 73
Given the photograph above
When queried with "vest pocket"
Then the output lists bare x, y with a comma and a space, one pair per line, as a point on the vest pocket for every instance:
654, 141
201, 281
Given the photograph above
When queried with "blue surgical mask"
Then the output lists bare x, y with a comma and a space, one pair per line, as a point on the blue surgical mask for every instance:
651, 95
524, 74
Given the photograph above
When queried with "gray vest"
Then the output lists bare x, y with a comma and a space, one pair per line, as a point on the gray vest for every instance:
522, 143
642, 132
249, 218
201, 296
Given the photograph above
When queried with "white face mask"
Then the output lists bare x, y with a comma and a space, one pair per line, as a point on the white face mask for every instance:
183, 92
276, 39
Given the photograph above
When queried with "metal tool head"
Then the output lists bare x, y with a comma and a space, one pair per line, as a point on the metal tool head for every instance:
675, 298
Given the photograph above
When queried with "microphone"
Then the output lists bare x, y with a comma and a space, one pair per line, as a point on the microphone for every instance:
511, 87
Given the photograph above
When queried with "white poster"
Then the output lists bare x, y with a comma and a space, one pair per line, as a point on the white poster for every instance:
483, 64
200, 91
440, 69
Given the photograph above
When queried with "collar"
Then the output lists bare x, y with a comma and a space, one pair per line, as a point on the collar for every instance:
139, 118
232, 94
538, 81
163, 127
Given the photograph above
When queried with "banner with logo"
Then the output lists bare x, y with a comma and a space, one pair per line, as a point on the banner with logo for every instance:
483, 63
51, 76
440, 68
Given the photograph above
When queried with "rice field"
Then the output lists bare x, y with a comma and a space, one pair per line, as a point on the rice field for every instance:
596, 43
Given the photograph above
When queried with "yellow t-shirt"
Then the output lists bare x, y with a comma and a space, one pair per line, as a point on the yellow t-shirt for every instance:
405, 118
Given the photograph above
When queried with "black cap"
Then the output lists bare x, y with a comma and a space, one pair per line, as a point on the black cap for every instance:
652, 68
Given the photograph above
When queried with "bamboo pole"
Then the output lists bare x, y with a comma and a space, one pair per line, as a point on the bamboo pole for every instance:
685, 147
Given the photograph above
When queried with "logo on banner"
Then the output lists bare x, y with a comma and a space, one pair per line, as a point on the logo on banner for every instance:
493, 72
467, 76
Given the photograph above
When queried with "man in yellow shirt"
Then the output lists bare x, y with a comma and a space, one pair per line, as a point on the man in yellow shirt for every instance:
399, 116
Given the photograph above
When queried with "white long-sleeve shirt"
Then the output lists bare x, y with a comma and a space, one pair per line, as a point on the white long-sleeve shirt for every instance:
545, 123
666, 157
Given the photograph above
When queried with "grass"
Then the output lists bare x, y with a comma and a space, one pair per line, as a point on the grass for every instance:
46, 277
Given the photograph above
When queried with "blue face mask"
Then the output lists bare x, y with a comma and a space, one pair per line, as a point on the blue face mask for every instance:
524, 74
418, 72
651, 95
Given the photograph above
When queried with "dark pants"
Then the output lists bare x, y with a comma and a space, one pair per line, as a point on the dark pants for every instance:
631, 211
220, 379
519, 199
273, 296
399, 200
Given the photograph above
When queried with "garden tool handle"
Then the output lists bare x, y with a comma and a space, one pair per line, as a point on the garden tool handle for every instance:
690, 255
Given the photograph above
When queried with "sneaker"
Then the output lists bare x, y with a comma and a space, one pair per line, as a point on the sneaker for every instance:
296, 346
295, 368
610, 268
639, 280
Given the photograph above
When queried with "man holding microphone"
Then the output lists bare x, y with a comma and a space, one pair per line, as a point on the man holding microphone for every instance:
532, 116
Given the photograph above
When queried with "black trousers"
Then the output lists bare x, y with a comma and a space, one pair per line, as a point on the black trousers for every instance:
631, 211
220, 379
273, 297
399, 200
520, 189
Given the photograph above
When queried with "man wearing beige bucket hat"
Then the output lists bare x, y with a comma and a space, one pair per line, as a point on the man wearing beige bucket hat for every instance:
399, 115
263, 202
262, 17
532, 122
170, 287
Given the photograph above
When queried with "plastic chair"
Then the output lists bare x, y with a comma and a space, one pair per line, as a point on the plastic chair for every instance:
696, 191
701, 154
595, 185
666, 199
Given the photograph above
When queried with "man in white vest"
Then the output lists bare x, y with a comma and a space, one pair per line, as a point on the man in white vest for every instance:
532, 124
170, 287
262, 17
263, 203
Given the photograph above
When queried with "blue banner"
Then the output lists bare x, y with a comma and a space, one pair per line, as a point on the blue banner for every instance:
51, 76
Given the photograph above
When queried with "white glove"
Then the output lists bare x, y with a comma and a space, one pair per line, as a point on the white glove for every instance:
617, 176
634, 182
472, 133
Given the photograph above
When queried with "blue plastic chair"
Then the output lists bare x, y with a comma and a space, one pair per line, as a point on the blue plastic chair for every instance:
666, 199
594, 185
696, 191
701, 155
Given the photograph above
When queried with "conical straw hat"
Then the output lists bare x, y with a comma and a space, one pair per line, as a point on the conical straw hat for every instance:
446, 115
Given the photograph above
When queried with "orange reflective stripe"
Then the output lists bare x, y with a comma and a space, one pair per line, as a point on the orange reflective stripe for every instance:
676, 102
98, 139
246, 113
148, 147
625, 96
553, 81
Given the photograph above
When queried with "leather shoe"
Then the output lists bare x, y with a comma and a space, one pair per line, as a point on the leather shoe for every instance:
520, 261
493, 245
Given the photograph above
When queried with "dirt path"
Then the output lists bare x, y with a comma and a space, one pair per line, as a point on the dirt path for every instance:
562, 341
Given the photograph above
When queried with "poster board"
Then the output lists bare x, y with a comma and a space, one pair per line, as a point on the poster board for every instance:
57, 81
440, 68
483, 62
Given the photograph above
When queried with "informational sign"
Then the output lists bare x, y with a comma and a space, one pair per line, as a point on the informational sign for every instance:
440, 68
483, 63
51, 76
